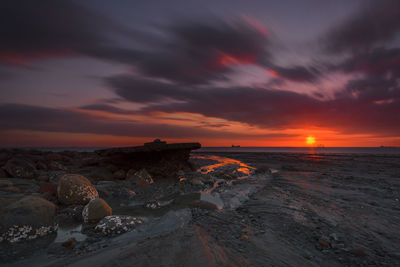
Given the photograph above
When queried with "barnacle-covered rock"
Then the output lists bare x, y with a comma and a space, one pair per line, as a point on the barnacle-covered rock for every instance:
75, 189
96, 210
117, 224
26, 219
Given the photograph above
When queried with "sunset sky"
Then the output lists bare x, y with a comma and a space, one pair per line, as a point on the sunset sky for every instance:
254, 73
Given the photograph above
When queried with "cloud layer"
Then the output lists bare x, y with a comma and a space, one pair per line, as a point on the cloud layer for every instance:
186, 66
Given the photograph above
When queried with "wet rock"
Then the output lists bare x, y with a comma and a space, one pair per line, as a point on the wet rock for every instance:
360, 252
324, 244
40, 165
29, 218
119, 175
48, 188
20, 168
141, 178
70, 243
196, 181
117, 224
57, 166
96, 210
112, 189
75, 189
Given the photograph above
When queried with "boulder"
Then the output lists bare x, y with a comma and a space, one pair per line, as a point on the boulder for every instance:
141, 178
117, 224
74, 189
96, 210
20, 168
28, 218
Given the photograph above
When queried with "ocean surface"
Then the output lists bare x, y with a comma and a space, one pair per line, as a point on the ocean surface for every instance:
306, 150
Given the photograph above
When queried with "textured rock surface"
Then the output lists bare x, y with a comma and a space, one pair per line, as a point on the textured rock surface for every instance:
141, 178
29, 218
75, 189
96, 210
113, 225
20, 168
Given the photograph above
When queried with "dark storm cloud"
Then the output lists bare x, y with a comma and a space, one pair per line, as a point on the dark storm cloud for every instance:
50, 29
199, 52
376, 62
271, 108
25, 117
377, 23
380, 68
34, 29
188, 52
146, 90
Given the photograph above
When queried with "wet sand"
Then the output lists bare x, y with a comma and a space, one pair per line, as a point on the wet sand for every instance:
279, 209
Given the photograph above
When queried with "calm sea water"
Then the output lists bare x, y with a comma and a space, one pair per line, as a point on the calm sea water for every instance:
322, 150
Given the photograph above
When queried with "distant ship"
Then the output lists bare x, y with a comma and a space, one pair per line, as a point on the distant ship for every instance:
235, 145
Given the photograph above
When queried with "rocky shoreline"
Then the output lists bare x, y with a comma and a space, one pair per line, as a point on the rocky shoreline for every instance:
211, 209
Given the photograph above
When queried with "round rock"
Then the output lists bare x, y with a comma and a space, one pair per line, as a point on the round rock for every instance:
96, 210
28, 218
74, 189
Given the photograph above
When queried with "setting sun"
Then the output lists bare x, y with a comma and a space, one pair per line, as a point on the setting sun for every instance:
310, 140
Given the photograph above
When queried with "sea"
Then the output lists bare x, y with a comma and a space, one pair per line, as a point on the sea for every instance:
305, 150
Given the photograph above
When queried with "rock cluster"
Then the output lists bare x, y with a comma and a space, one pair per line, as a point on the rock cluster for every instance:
20, 168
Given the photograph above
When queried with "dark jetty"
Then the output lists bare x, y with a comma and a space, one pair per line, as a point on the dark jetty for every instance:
160, 159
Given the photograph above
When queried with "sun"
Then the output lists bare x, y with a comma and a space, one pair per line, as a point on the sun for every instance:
310, 140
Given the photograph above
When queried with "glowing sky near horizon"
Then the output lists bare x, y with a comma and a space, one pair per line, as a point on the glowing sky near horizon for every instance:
259, 73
